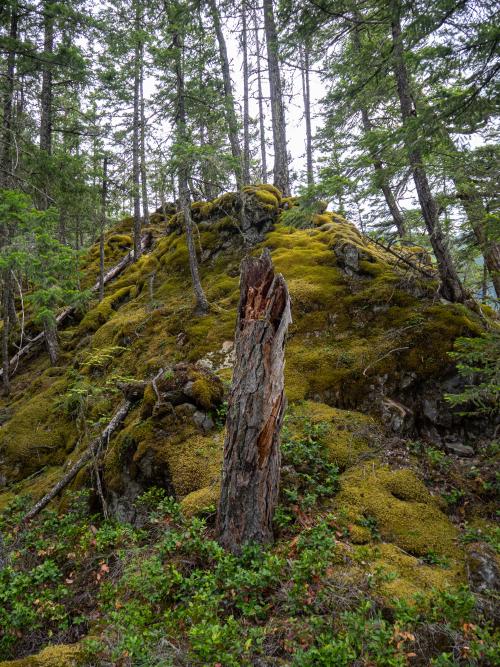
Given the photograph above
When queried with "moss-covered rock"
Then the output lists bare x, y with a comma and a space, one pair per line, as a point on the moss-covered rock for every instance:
400, 507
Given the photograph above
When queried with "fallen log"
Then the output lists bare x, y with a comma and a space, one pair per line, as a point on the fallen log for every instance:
92, 450
64, 314
251, 466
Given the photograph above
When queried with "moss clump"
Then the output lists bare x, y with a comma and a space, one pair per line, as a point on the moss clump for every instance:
198, 502
101, 313
400, 575
205, 391
401, 507
267, 187
58, 655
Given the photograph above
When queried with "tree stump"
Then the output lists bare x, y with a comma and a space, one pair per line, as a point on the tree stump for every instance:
251, 467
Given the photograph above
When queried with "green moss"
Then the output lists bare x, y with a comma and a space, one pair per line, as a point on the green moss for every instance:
267, 187
38, 434
400, 575
58, 655
403, 509
205, 392
101, 313
198, 502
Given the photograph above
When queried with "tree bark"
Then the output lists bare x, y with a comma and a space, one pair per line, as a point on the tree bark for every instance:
251, 467
231, 118
46, 94
104, 192
262, 129
451, 287
50, 335
5, 138
91, 451
306, 96
246, 110
202, 306
144, 182
6, 289
281, 175
136, 191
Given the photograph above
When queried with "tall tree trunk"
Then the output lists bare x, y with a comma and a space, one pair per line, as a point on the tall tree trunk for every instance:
136, 121
104, 193
251, 467
306, 96
183, 176
381, 179
246, 111
231, 118
262, 129
144, 183
7, 105
46, 94
281, 175
451, 287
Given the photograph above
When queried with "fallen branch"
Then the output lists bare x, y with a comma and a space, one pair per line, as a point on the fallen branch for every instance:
423, 271
63, 315
89, 453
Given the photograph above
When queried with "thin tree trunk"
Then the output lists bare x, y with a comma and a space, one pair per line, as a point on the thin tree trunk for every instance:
306, 95
6, 289
183, 177
281, 175
144, 183
46, 94
451, 287
136, 189
8, 98
231, 118
262, 129
381, 179
246, 111
104, 192
251, 467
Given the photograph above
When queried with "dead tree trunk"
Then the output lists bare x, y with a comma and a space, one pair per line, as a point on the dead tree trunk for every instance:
136, 172
306, 96
251, 468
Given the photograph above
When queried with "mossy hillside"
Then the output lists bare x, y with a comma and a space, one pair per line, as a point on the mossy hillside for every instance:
347, 331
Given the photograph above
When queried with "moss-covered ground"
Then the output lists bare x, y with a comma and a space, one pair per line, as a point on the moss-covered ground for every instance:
358, 535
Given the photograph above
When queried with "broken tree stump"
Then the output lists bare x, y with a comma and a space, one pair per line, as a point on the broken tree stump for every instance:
251, 467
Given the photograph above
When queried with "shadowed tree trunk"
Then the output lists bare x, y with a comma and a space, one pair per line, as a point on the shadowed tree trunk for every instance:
7, 103
136, 191
281, 175
46, 94
251, 468
144, 183
51, 341
262, 129
6, 290
451, 287
104, 192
